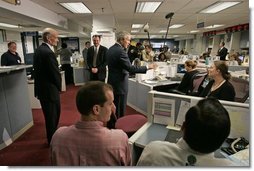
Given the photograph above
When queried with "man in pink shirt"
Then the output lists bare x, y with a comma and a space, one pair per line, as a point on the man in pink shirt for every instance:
89, 142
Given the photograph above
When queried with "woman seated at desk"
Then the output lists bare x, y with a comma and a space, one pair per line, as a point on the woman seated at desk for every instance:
219, 86
186, 84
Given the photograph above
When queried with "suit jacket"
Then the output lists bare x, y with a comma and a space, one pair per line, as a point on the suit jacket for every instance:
223, 53
47, 77
100, 61
119, 67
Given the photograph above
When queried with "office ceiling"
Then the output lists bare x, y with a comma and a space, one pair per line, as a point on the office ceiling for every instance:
185, 12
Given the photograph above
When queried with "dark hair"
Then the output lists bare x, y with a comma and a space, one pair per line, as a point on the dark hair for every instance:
90, 94
223, 67
10, 43
222, 43
87, 42
206, 126
64, 45
96, 35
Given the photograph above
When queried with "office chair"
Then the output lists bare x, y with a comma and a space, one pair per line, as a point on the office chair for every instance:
195, 83
241, 87
131, 123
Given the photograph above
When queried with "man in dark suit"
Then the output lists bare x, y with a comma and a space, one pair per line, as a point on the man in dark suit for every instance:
119, 67
96, 60
47, 80
222, 52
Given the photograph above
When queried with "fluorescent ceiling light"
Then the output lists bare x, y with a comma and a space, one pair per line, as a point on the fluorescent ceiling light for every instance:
176, 26
147, 7
219, 6
76, 7
137, 25
213, 26
134, 31
61, 35
9, 25
194, 31
163, 31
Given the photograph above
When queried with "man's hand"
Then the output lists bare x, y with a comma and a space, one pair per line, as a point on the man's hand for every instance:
94, 70
152, 66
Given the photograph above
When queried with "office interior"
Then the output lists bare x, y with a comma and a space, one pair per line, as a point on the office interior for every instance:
181, 24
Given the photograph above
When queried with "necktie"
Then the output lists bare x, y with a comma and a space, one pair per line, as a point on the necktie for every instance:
95, 57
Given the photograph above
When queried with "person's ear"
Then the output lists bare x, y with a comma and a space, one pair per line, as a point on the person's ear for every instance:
96, 109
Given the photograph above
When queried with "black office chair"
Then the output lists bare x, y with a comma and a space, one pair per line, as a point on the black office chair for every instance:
195, 83
241, 87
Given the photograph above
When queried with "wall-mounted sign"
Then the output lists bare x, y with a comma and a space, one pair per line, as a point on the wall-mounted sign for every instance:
201, 25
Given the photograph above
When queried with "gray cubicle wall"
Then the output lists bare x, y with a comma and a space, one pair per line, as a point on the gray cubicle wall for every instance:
16, 114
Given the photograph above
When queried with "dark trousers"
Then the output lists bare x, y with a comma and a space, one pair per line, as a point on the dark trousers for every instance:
120, 101
95, 77
68, 71
51, 111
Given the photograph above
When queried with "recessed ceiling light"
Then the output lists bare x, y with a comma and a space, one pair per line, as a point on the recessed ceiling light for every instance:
9, 25
176, 26
76, 7
163, 31
213, 26
137, 25
194, 31
219, 6
147, 7
134, 31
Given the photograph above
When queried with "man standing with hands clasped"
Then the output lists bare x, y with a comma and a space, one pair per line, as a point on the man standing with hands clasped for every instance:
96, 60
222, 52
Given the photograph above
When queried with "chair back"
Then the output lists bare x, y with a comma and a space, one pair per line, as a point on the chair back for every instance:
241, 87
196, 81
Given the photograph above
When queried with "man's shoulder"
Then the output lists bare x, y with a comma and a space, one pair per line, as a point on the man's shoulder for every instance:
117, 134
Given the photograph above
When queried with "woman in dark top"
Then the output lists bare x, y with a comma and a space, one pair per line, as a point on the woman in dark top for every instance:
219, 86
186, 84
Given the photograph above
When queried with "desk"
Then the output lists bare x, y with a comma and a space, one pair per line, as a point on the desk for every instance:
156, 129
80, 75
152, 132
138, 92
16, 114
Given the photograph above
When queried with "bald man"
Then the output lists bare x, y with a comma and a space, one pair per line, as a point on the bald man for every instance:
47, 80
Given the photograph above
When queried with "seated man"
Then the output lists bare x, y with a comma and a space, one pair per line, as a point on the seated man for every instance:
205, 128
88, 142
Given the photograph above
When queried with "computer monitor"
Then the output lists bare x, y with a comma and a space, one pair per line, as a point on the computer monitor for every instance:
241, 58
180, 69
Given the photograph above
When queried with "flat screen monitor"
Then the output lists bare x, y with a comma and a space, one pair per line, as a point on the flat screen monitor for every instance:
180, 69
241, 58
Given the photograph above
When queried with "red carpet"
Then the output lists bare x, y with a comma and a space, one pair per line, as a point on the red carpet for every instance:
31, 149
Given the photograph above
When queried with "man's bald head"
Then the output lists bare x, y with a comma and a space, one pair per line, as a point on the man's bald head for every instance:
50, 36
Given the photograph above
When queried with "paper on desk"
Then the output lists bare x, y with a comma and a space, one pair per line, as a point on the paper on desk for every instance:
164, 111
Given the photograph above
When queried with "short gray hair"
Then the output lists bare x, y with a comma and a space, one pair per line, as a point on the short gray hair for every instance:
121, 35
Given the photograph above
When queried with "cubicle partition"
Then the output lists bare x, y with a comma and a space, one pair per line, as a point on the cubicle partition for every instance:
166, 111
16, 114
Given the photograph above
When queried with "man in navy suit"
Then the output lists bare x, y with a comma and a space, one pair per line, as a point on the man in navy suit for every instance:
47, 80
96, 60
222, 52
119, 67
